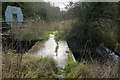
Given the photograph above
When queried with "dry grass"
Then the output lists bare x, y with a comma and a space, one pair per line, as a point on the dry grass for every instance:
31, 67
9, 67
106, 70
34, 29
39, 67
94, 70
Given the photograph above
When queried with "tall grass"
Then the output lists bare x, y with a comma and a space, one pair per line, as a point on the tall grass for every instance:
31, 67
39, 67
9, 67
34, 30
94, 70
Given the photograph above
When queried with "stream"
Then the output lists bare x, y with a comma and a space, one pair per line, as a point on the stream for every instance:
47, 49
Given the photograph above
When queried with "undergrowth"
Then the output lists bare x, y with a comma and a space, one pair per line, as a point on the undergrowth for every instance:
88, 69
31, 67
92, 70
39, 67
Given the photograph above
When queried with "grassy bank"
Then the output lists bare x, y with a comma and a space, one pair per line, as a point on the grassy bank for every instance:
87, 69
39, 67
31, 67
91, 70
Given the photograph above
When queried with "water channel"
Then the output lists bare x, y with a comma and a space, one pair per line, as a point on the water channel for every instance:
47, 48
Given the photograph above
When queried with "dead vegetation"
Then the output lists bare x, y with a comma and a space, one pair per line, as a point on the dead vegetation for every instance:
31, 67
94, 70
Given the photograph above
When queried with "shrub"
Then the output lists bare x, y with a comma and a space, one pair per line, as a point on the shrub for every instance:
95, 25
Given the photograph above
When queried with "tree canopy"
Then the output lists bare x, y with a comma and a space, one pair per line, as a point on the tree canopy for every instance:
35, 10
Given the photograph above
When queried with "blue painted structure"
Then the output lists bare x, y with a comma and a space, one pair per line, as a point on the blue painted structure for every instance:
10, 11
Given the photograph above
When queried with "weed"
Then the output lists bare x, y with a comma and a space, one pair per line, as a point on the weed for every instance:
56, 40
70, 64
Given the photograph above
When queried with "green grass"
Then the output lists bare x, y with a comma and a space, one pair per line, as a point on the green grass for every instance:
56, 49
75, 69
59, 72
79, 71
56, 40
49, 32
70, 64
87, 69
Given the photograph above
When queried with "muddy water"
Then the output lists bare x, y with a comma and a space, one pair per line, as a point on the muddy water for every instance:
47, 48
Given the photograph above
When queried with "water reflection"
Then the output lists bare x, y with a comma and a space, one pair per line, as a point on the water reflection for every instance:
47, 48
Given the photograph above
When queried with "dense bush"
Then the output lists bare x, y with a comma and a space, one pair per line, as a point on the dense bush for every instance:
95, 28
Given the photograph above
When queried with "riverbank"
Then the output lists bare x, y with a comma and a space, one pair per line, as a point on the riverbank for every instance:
12, 43
89, 69
46, 51
41, 61
34, 67
31, 67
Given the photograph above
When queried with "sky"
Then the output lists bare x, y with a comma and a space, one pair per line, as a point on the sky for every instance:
63, 3
60, 3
